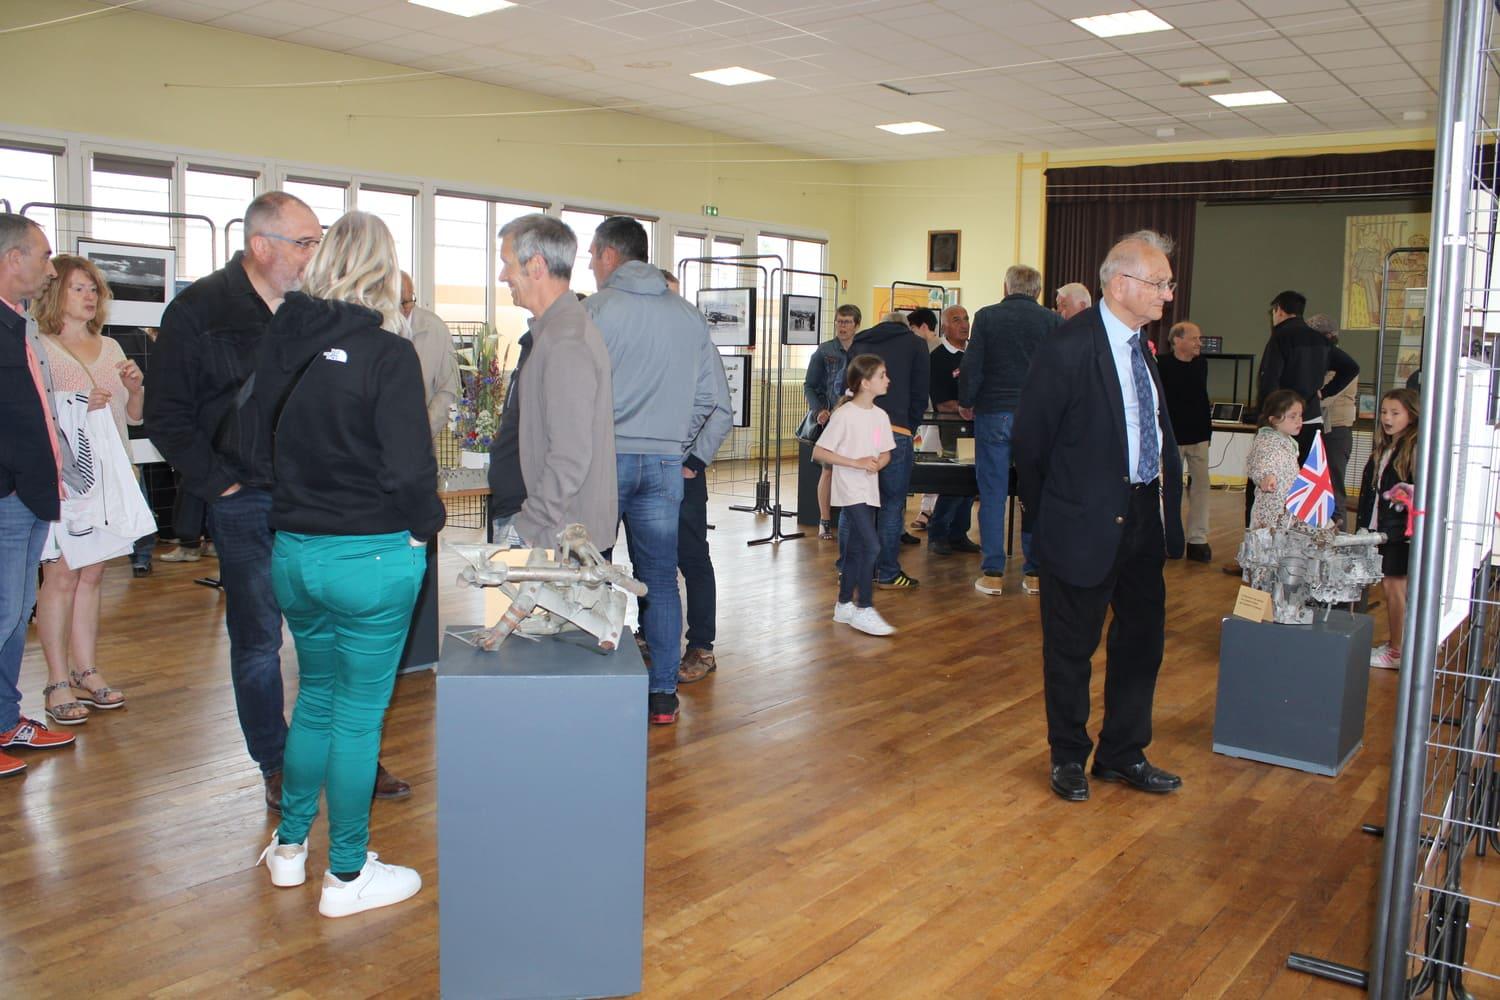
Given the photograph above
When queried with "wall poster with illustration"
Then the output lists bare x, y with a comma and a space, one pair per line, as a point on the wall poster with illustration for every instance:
1368, 240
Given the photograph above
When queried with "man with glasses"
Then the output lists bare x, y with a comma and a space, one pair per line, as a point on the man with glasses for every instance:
205, 353
434, 343
1005, 337
1095, 459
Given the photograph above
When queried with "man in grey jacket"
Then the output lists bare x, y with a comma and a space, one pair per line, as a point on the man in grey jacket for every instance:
567, 445
665, 391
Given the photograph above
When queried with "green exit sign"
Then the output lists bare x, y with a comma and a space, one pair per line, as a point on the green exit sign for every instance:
711, 210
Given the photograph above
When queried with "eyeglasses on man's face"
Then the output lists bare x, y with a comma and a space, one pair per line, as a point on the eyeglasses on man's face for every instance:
1162, 287
304, 243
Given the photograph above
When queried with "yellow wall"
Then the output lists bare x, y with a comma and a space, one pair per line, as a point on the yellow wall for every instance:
143, 78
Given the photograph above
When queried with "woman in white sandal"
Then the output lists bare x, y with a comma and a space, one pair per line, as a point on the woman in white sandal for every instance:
71, 312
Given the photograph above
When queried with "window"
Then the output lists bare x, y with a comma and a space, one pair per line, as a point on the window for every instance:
466, 263
127, 182
27, 175
223, 196
398, 210
510, 319
801, 255
724, 274
687, 246
583, 223
327, 199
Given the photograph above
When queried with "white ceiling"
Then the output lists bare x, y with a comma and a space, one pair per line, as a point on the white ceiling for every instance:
999, 75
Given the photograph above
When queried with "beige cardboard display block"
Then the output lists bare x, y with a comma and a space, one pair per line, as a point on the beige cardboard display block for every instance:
966, 450
1252, 605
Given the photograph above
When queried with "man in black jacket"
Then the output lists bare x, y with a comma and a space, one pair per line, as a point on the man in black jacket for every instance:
205, 353
1184, 377
1001, 345
906, 362
33, 456
1098, 467
1299, 358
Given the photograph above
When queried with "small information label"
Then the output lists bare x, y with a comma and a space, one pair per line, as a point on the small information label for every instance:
1253, 605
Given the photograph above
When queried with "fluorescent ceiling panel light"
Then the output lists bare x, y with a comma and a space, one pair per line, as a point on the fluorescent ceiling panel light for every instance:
732, 76
464, 8
910, 128
1249, 98
1127, 22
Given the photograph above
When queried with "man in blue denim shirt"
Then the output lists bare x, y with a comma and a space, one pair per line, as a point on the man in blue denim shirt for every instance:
822, 388
1001, 345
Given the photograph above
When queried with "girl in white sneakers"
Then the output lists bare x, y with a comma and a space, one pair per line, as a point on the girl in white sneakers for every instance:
857, 444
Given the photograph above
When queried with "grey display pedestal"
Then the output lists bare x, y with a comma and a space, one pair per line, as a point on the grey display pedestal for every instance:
1294, 695
541, 759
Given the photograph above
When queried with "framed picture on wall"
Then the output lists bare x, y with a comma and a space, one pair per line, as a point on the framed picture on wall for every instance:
737, 372
731, 315
942, 254
141, 278
801, 320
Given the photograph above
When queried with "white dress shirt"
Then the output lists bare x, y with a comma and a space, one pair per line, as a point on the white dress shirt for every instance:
1119, 335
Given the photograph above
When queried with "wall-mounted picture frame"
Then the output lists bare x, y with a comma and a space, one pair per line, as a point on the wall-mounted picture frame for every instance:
801, 320
731, 315
142, 279
943, 247
737, 372
1366, 408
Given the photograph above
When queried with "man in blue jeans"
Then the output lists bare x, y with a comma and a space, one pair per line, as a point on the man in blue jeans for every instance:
664, 392
907, 364
32, 460
204, 354
1001, 345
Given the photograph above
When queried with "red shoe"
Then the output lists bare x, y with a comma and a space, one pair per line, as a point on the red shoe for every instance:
34, 735
10, 765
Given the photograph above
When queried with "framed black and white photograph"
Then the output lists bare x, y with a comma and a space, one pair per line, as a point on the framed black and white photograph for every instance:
737, 372
801, 320
141, 278
731, 315
942, 254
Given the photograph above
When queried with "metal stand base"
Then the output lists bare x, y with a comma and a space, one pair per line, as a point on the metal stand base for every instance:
209, 581
777, 535
762, 503
1324, 969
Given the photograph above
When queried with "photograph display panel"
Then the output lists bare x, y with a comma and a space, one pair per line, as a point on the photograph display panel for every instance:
801, 320
142, 279
731, 315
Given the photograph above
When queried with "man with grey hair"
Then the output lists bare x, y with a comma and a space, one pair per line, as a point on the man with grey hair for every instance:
34, 462
1184, 379
1005, 337
210, 335
566, 445
667, 378
1339, 412
434, 343
1098, 467
1072, 299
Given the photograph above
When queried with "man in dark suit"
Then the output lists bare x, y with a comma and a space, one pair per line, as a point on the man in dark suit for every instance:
1096, 458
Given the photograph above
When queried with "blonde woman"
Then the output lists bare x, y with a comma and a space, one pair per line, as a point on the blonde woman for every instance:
339, 408
71, 312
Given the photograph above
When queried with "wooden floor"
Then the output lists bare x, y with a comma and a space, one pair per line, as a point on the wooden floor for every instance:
835, 815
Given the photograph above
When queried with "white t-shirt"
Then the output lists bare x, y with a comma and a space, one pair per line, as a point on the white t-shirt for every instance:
856, 432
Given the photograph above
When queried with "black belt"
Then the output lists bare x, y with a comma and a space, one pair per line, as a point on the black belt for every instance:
1154, 484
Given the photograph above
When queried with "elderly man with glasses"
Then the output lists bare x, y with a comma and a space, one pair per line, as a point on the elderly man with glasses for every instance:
434, 343
210, 335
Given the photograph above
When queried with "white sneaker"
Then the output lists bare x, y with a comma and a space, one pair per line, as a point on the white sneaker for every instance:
286, 862
843, 612
1031, 584
1382, 657
378, 885
868, 621
990, 584
180, 554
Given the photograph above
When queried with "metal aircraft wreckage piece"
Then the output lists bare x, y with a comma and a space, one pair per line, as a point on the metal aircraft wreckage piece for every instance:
579, 585
1300, 563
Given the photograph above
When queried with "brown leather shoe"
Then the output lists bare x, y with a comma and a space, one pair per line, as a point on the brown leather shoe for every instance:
388, 786
273, 792
696, 665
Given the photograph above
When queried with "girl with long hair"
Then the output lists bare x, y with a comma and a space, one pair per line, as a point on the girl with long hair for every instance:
1385, 495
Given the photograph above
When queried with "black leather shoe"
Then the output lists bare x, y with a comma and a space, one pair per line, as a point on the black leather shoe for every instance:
907, 538
1069, 782
1145, 776
387, 785
938, 547
963, 545
1199, 552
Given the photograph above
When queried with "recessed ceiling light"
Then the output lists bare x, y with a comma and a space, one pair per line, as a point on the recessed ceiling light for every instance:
732, 76
1249, 98
1127, 22
1165, 132
910, 128
1413, 116
464, 8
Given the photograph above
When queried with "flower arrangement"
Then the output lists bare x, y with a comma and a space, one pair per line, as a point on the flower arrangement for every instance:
477, 416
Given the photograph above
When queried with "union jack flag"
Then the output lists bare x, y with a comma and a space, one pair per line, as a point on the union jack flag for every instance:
1312, 498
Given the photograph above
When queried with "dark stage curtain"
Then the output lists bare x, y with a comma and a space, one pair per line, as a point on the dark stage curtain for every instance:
1089, 208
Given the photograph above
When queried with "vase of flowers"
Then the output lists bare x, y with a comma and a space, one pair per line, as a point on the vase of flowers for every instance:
477, 416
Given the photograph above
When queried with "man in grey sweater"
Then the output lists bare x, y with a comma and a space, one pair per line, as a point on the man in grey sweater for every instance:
665, 390
567, 444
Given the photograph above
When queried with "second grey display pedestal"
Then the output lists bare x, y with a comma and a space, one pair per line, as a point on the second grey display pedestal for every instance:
1294, 695
541, 758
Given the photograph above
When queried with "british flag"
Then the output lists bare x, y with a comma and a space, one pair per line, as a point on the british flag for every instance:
1312, 498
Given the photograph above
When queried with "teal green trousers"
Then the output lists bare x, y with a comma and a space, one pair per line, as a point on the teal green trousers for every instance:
348, 600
